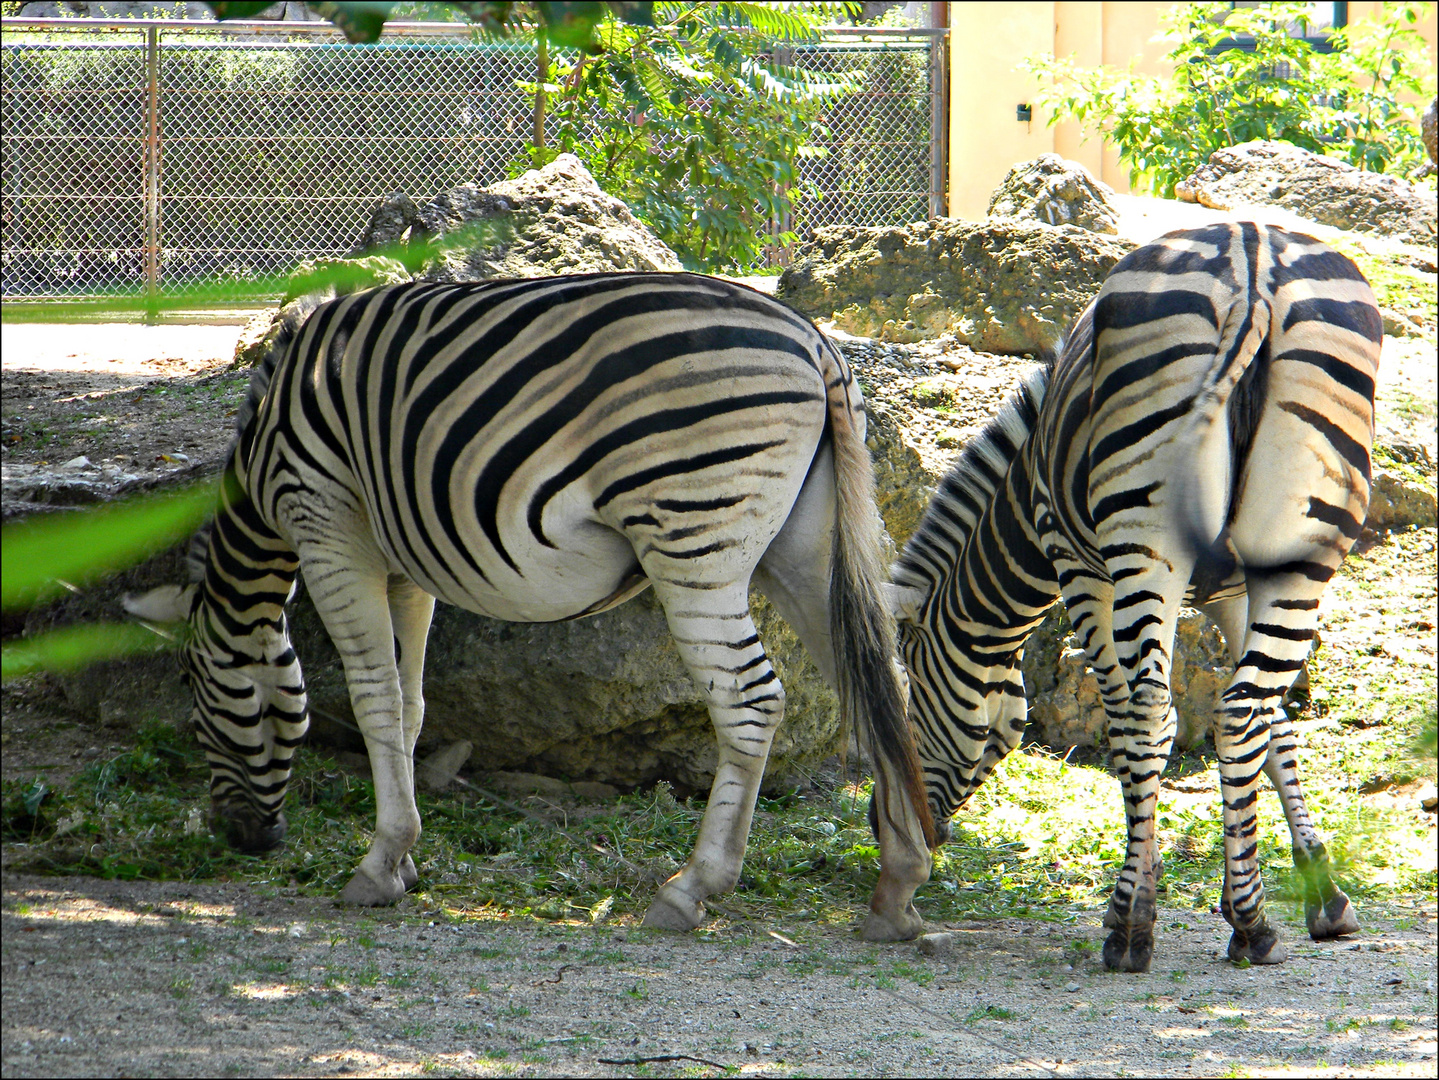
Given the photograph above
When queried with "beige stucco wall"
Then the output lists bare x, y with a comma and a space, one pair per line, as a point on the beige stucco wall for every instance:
987, 42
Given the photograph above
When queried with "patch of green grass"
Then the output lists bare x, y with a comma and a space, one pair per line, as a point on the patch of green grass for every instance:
1042, 837
988, 1012
1343, 1024
914, 973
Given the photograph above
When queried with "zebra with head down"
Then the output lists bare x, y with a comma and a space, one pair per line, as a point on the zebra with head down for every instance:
539, 450
1204, 437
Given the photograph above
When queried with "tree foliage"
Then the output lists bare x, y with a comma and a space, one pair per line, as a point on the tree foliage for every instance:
571, 24
1244, 73
696, 122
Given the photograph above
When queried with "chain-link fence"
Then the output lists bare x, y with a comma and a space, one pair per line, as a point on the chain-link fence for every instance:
151, 154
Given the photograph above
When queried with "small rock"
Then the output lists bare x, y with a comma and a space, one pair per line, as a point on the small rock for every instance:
1071, 988
194, 822
296, 930
439, 770
518, 783
81, 462
1429, 798
1395, 502
935, 944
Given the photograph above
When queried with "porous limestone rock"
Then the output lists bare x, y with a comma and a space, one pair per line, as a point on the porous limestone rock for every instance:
1056, 191
1429, 129
1000, 286
553, 220
1396, 502
1323, 189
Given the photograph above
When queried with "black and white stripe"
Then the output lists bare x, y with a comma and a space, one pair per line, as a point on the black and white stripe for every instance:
540, 450
1203, 437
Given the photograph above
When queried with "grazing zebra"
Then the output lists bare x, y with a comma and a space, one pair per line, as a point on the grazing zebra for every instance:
1203, 437
539, 450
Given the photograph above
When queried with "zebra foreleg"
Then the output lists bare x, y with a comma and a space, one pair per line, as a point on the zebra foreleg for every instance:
351, 594
719, 645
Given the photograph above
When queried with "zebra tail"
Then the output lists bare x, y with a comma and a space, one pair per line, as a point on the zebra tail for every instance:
1213, 448
872, 695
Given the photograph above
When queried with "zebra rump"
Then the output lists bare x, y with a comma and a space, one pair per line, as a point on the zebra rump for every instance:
539, 450
1203, 437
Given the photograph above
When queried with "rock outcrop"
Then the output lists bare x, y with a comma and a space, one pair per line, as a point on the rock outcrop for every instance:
553, 220
1395, 502
1322, 189
1056, 191
1000, 286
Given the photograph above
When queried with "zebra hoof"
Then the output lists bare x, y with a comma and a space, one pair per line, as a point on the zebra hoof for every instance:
364, 891
1258, 946
884, 928
1129, 948
673, 910
249, 834
408, 874
1334, 919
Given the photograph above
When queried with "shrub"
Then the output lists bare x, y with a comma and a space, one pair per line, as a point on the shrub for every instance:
1344, 102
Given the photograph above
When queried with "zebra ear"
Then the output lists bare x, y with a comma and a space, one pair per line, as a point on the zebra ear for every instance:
904, 601
168, 603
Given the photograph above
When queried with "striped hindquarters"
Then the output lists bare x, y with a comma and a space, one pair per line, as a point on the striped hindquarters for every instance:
488, 430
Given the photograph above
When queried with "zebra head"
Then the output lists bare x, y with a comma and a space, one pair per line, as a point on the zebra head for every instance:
966, 699
249, 710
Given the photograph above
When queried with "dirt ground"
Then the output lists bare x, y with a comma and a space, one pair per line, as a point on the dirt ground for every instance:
135, 978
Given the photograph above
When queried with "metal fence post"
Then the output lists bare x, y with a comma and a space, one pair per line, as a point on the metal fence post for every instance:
939, 126
152, 174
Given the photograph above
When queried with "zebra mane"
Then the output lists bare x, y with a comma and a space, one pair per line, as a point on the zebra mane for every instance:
282, 332
969, 486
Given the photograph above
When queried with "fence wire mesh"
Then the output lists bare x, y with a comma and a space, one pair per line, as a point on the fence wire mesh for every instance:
273, 148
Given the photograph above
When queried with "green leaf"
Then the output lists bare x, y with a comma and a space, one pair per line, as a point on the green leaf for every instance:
75, 647
361, 22
84, 546
33, 796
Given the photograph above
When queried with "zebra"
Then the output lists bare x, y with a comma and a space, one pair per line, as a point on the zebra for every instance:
1203, 437
538, 450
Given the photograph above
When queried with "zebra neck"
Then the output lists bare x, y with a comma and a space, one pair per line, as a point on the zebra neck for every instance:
249, 576
1002, 585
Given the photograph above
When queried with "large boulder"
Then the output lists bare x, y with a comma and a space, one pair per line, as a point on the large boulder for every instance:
1322, 189
1000, 286
1056, 191
553, 220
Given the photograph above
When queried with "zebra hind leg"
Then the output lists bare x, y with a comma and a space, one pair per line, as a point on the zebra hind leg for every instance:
1327, 910
1253, 729
1132, 664
719, 645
